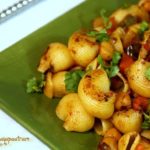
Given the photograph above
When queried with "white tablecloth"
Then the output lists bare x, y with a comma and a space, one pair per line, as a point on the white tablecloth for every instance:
12, 31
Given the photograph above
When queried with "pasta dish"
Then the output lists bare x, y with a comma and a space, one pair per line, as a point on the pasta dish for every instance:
102, 77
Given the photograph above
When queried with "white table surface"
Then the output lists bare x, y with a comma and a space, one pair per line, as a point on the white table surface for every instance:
12, 31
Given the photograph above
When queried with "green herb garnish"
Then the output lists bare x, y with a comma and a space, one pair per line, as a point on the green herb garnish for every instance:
107, 24
102, 35
146, 122
144, 26
116, 58
113, 68
72, 80
35, 85
99, 35
112, 72
100, 61
104, 17
147, 73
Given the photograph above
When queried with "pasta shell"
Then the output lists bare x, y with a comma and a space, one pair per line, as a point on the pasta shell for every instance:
106, 50
83, 48
123, 100
113, 133
145, 4
129, 141
144, 52
98, 23
55, 85
108, 143
131, 34
136, 78
48, 88
92, 65
127, 120
110, 140
126, 86
95, 96
116, 39
133, 10
101, 126
57, 58
75, 117
146, 134
59, 84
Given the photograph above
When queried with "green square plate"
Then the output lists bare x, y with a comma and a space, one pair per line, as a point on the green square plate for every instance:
18, 63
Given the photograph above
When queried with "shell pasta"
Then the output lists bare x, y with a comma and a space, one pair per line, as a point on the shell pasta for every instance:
102, 77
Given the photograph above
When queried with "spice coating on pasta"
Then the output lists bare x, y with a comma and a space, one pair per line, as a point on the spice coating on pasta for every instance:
102, 77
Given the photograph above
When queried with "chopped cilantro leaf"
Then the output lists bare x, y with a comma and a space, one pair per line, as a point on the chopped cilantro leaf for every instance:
116, 58
107, 24
72, 80
92, 33
35, 85
143, 27
99, 35
146, 122
111, 69
104, 17
147, 73
102, 36
100, 61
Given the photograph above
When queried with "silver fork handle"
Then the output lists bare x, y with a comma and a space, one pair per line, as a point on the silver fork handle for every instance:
15, 8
